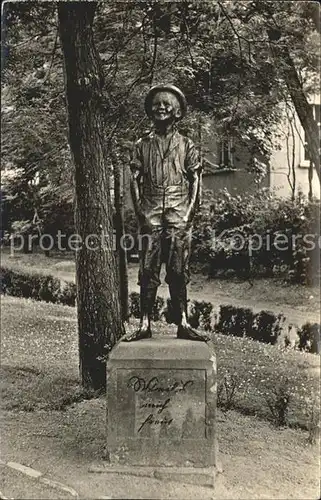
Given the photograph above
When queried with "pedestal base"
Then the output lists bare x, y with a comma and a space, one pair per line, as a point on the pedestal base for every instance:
161, 402
190, 475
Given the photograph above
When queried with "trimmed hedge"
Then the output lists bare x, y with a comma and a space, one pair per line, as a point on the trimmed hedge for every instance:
37, 287
310, 338
264, 326
235, 320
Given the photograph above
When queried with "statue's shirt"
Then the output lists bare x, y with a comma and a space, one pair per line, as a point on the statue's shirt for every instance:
164, 169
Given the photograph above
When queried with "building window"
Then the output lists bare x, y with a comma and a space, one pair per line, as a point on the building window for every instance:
305, 162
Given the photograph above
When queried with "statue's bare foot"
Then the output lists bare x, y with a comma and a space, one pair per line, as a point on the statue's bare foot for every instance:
141, 333
188, 333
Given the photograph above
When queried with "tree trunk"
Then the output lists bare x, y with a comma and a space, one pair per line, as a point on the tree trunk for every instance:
302, 107
121, 250
293, 172
310, 178
99, 317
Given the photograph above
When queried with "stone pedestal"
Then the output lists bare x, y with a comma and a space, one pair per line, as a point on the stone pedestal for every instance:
161, 401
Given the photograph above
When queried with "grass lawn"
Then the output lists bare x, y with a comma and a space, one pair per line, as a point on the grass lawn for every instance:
47, 425
40, 364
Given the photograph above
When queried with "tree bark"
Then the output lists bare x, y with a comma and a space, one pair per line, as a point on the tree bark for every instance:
302, 107
121, 250
99, 316
310, 178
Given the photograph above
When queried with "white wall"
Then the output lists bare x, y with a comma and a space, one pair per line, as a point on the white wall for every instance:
281, 157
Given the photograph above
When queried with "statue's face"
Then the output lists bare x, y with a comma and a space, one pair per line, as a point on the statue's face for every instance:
165, 107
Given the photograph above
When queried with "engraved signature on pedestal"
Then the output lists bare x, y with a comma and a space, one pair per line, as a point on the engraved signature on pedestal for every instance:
160, 406
152, 420
139, 384
153, 385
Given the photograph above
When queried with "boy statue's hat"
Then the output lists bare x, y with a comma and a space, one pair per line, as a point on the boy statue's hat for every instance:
165, 88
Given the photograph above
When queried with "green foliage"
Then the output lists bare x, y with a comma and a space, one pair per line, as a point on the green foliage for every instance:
37, 287
50, 332
258, 232
314, 420
266, 327
309, 335
200, 315
134, 304
158, 309
240, 322
234, 321
227, 391
68, 294
34, 140
278, 401
218, 53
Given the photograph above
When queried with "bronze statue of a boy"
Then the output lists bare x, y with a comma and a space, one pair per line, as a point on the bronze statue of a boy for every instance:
165, 183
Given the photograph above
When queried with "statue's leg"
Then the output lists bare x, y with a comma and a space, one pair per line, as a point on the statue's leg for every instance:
150, 264
184, 329
177, 279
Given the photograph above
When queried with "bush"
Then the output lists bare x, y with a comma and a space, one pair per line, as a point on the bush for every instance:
266, 327
134, 300
236, 321
309, 338
200, 315
242, 232
68, 294
314, 419
158, 309
37, 287
225, 319
227, 391
242, 322
49, 290
278, 401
